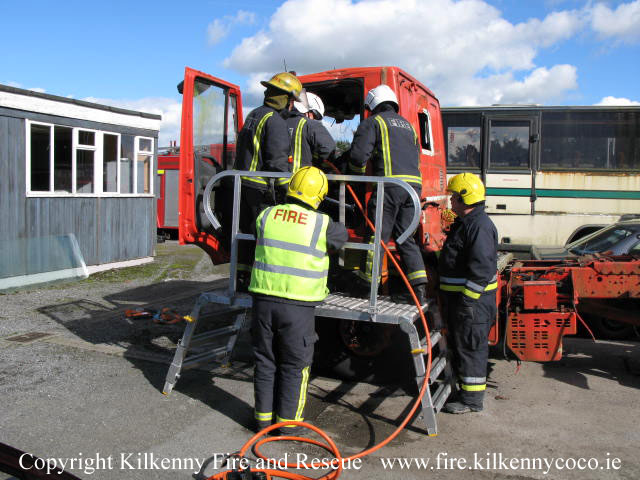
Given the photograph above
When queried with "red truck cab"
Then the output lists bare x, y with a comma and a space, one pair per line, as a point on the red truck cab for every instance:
212, 117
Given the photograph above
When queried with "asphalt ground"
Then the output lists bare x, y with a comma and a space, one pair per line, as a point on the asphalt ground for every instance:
82, 384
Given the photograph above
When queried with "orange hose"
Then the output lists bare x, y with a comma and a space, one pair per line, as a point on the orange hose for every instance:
330, 446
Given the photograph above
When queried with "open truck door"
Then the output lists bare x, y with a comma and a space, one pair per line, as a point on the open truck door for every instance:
211, 120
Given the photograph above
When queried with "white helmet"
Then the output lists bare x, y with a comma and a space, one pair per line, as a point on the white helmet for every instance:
379, 94
315, 105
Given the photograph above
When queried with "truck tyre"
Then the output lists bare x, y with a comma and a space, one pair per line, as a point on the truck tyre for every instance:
610, 329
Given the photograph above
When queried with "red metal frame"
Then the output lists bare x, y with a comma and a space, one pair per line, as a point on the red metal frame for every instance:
188, 232
165, 162
542, 299
413, 97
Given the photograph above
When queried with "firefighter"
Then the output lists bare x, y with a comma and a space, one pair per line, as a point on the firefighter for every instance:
311, 142
263, 144
288, 279
468, 267
391, 143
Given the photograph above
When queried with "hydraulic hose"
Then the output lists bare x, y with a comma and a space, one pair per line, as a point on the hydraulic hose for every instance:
338, 461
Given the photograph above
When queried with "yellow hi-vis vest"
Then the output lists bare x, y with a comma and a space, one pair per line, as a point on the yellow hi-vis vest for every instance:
291, 254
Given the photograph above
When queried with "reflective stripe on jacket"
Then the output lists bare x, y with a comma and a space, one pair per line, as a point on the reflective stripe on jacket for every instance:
291, 254
391, 143
468, 260
310, 141
263, 145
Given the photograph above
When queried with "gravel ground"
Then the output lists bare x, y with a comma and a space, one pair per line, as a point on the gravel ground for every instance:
90, 386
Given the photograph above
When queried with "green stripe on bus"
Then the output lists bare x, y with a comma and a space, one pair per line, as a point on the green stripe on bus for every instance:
509, 192
526, 192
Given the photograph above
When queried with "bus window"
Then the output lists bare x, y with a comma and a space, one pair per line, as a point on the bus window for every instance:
509, 144
463, 133
578, 140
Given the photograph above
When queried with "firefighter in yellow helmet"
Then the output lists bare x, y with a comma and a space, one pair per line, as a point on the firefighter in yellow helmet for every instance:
288, 279
468, 274
263, 144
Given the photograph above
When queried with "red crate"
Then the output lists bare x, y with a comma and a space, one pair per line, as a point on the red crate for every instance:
538, 336
540, 295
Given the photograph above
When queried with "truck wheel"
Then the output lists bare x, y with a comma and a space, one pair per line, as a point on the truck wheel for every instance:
610, 329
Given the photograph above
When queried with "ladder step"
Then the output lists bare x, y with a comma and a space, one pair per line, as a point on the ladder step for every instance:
206, 336
205, 357
441, 395
436, 368
436, 336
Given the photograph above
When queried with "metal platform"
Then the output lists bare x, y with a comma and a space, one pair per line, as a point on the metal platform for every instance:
217, 345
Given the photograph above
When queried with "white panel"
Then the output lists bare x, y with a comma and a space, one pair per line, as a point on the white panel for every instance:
63, 109
599, 206
508, 205
588, 181
508, 180
544, 230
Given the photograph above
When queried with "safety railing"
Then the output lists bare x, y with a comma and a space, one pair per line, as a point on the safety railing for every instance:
380, 182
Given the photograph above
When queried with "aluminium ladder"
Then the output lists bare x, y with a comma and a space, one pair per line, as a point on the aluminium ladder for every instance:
217, 345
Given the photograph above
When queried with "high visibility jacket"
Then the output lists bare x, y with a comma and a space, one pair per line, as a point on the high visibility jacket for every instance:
468, 260
310, 141
391, 143
263, 144
291, 253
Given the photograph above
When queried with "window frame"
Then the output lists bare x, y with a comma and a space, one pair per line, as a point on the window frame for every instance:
98, 162
147, 153
427, 131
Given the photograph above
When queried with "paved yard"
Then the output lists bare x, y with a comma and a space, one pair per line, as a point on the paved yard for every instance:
85, 389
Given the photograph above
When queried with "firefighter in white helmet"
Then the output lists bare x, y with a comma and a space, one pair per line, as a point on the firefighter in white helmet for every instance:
288, 279
263, 144
390, 142
311, 142
468, 274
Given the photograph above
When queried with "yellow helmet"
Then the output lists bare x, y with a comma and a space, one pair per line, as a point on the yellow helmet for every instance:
310, 185
285, 81
468, 186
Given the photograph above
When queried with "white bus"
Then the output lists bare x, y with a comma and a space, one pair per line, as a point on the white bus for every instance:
548, 170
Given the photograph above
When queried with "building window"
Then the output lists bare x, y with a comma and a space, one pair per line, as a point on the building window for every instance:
110, 163
62, 159
144, 159
40, 161
77, 161
85, 161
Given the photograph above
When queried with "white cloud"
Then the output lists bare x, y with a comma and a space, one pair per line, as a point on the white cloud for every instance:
452, 46
170, 109
18, 85
220, 27
617, 101
621, 24
216, 31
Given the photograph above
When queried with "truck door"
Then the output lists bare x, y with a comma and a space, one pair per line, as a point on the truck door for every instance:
510, 146
211, 120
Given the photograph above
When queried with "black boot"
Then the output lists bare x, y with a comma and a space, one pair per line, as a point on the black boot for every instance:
459, 407
419, 290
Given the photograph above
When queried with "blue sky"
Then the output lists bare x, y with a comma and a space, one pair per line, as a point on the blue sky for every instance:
469, 52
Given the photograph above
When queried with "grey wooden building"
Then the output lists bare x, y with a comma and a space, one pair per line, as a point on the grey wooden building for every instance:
76, 187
